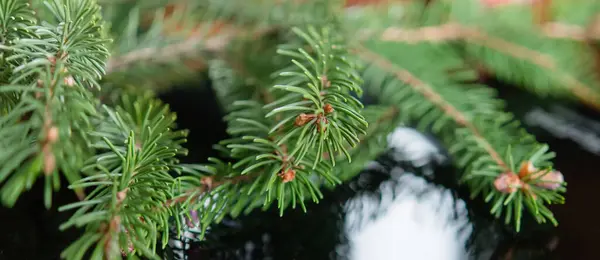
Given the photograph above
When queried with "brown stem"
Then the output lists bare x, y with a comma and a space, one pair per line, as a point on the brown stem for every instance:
169, 52
428, 92
440, 33
213, 43
452, 31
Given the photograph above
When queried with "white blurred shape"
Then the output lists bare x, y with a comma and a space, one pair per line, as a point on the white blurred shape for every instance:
407, 227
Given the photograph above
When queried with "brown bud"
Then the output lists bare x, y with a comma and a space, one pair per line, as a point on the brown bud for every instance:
302, 119
288, 175
52, 135
69, 81
508, 182
551, 180
328, 108
526, 169
49, 162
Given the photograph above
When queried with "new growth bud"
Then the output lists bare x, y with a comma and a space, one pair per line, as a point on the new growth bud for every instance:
302, 119
508, 182
288, 175
328, 108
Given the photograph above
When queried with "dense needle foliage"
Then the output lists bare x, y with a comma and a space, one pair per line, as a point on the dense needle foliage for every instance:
78, 80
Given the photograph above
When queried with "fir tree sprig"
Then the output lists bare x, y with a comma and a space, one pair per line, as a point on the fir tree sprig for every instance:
470, 121
58, 62
280, 146
125, 214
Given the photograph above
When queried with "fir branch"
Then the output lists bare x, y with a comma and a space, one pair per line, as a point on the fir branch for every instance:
170, 52
469, 120
140, 50
282, 156
427, 92
130, 178
56, 68
273, 13
453, 32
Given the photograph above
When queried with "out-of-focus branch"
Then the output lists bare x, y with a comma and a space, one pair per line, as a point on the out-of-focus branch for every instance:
172, 51
452, 31
435, 98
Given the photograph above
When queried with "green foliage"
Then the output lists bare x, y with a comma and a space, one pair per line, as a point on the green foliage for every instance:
507, 39
15, 20
272, 155
71, 104
131, 182
481, 169
51, 68
262, 13
468, 118
138, 40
